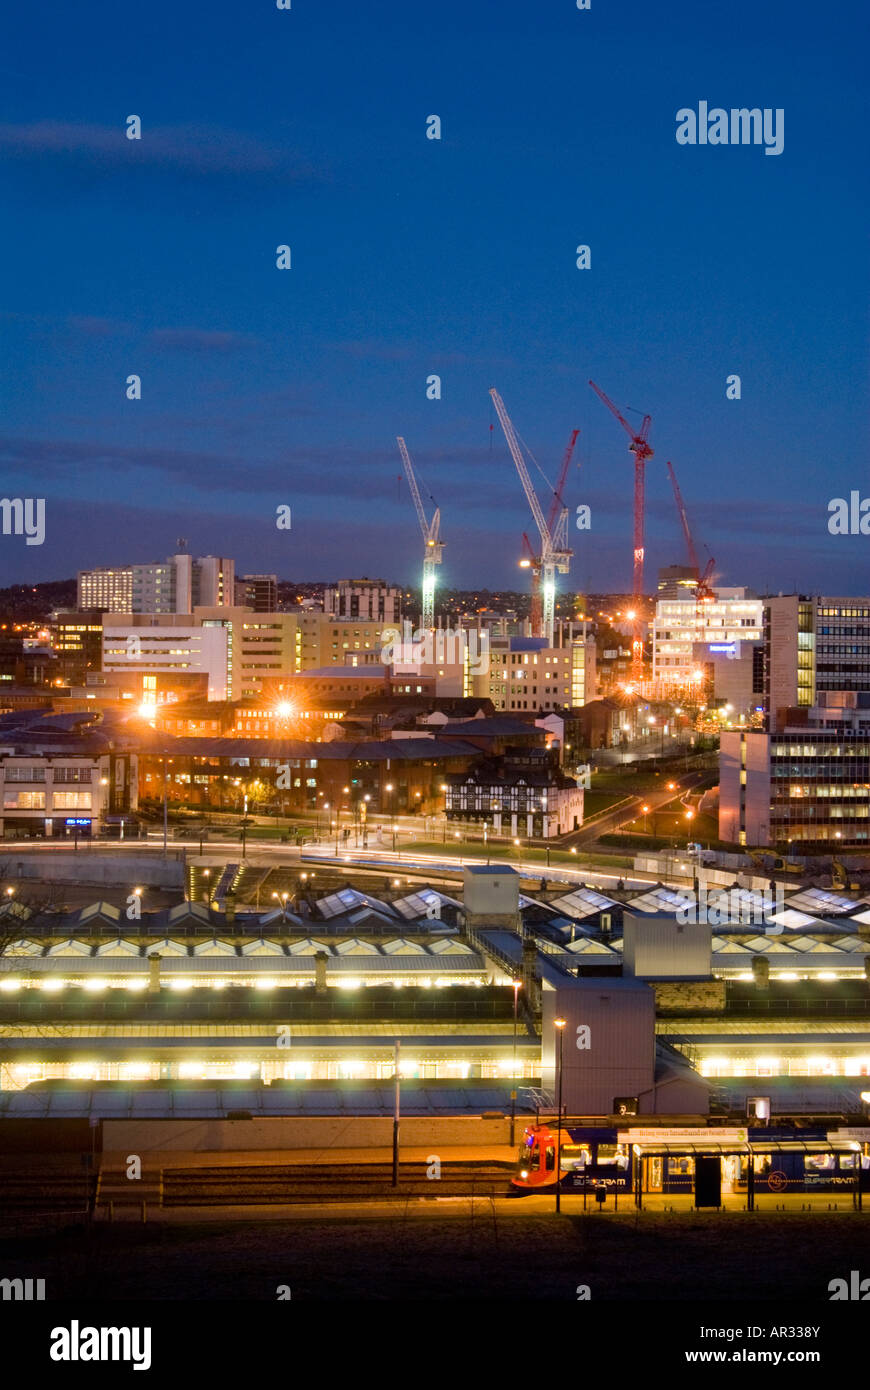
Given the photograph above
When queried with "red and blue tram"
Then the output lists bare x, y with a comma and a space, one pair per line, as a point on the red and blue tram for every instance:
782, 1160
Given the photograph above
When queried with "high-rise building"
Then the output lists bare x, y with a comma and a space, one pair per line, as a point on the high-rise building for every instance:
258, 592
370, 599
815, 649
804, 786
212, 582
680, 624
676, 582
175, 585
77, 639
109, 588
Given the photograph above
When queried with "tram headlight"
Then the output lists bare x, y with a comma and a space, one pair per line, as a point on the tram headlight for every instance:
524, 1173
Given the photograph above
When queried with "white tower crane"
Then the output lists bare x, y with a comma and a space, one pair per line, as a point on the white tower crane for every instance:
555, 554
432, 546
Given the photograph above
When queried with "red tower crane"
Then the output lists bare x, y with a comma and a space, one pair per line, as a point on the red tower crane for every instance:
532, 561
642, 451
703, 591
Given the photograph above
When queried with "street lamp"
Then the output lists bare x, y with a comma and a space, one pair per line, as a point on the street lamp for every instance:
397, 1114
516, 988
560, 1024
390, 807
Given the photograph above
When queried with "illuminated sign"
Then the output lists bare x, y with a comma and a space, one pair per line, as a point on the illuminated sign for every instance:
691, 1136
722, 647
77, 820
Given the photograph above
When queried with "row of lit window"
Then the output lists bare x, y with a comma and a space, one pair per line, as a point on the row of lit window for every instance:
789, 1066
18, 1074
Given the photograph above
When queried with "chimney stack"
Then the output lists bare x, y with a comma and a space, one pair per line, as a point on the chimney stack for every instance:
154, 973
320, 959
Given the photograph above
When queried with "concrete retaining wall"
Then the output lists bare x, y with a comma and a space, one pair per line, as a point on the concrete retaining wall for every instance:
300, 1132
102, 868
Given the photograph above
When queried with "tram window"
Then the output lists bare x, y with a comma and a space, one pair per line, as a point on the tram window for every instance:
820, 1163
578, 1154
681, 1167
761, 1164
551, 1158
613, 1153
847, 1161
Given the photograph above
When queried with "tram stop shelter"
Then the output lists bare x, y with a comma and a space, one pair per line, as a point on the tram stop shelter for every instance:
709, 1162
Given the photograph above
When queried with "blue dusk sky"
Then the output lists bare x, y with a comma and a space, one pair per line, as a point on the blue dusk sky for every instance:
412, 256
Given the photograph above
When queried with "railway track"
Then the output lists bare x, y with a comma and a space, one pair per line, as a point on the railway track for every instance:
296, 1183
36, 1194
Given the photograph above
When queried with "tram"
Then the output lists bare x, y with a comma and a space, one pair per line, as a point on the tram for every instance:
670, 1160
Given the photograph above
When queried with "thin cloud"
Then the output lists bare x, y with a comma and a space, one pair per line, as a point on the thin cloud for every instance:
195, 151
200, 340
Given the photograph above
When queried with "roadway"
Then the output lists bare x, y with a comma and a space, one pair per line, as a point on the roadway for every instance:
265, 854
631, 809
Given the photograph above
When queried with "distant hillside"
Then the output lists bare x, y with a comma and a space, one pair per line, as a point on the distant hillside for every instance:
34, 602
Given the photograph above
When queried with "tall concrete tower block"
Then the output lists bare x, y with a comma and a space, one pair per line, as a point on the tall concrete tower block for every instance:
608, 1045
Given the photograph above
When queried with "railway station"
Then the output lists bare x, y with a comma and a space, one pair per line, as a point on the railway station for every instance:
319, 987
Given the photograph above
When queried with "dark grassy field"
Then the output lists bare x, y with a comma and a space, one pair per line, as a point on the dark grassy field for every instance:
447, 1257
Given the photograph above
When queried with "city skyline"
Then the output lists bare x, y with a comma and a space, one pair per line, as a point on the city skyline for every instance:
411, 256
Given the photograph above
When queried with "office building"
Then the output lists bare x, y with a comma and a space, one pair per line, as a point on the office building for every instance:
680, 625
77, 641
67, 780
258, 592
676, 582
524, 674
108, 589
166, 646
177, 585
370, 599
815, 647
804, 786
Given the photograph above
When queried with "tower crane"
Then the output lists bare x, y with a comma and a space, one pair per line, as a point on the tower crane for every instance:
642, 451
533, 561
703, 592
432, 546
555, 554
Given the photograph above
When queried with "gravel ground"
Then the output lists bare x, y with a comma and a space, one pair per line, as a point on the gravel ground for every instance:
449, 1257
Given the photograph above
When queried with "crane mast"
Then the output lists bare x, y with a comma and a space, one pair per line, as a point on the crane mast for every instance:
642, 451
703, 592
555, 555
432, 547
